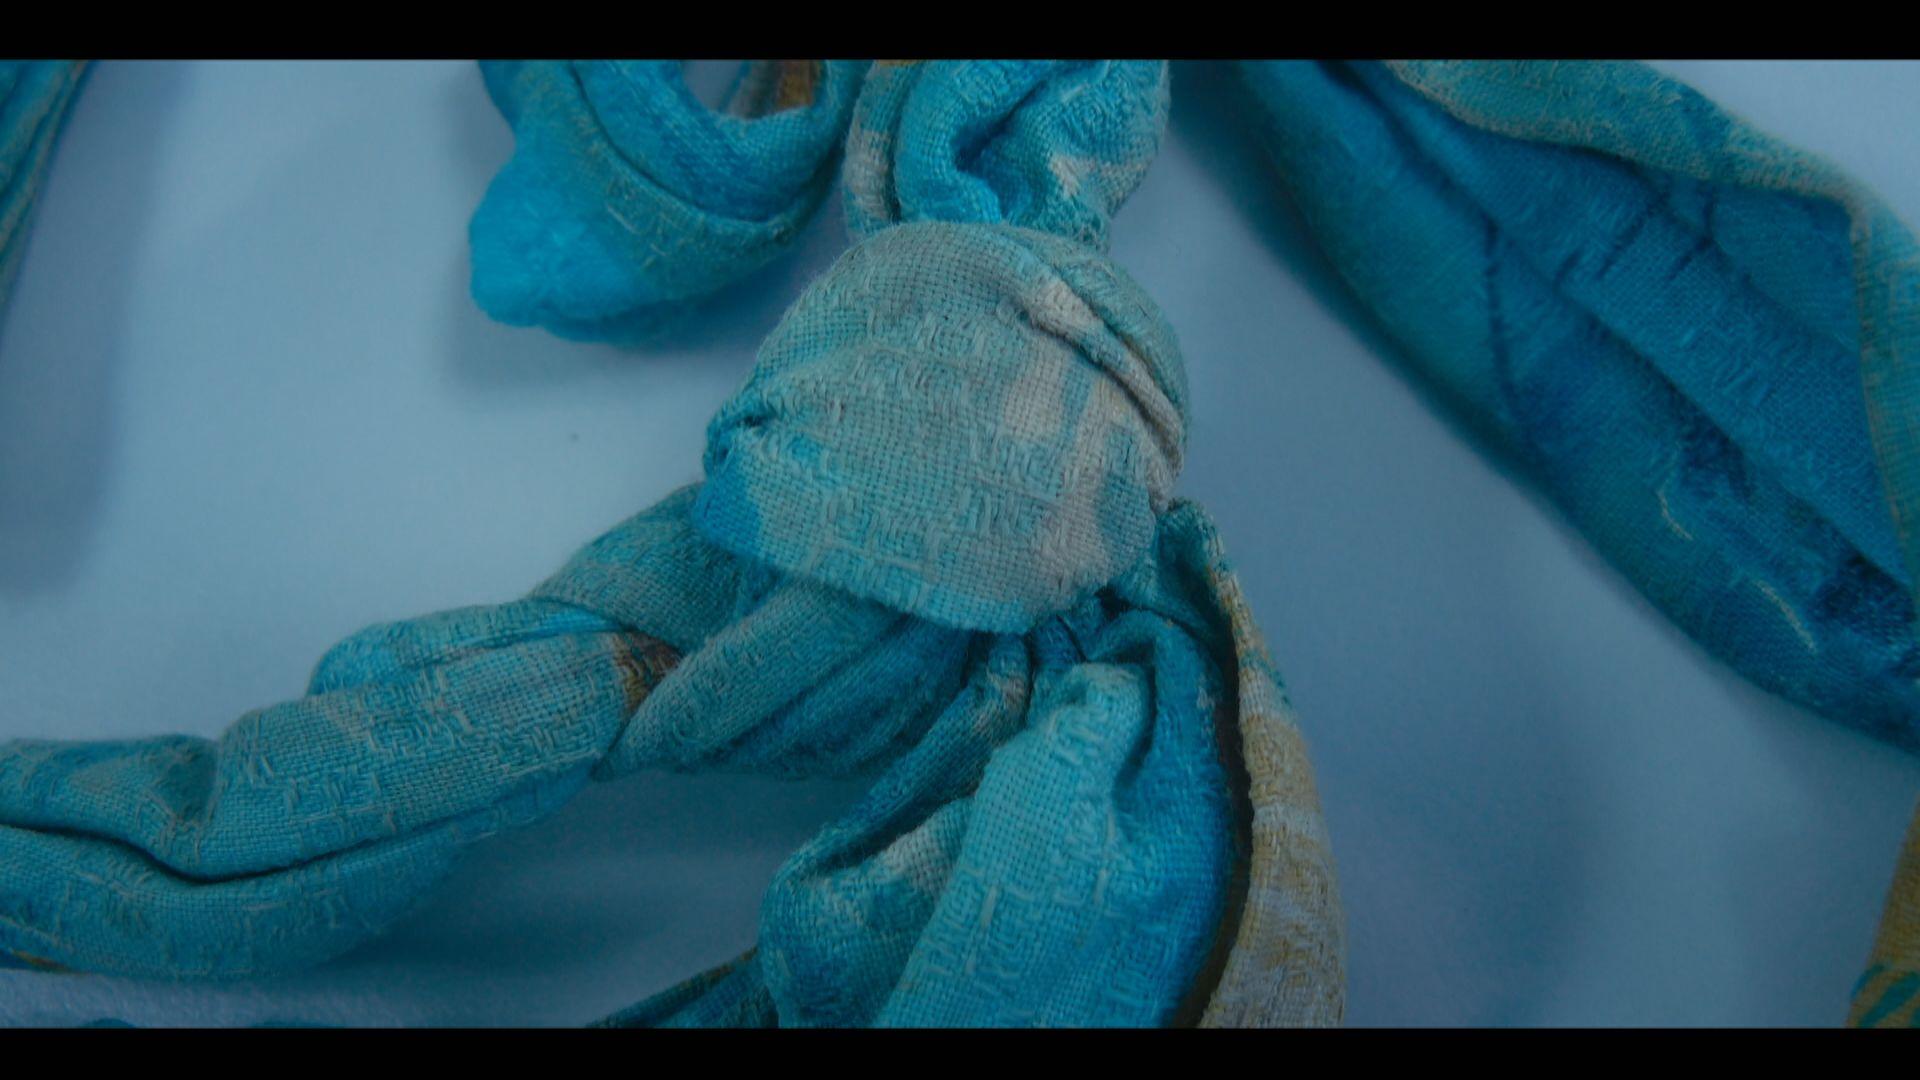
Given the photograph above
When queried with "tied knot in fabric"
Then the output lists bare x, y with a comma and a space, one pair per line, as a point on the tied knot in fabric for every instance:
974, 416
974, 424
936, 546
1049, 145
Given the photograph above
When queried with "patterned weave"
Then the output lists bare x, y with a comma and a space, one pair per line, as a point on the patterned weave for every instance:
937, 543
1645, 304
626, 198
1697, 340
936, 546
1006, 142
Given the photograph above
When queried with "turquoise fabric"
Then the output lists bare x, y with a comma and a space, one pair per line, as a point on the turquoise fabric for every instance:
1003, 142
1662, 316
1051, 149
627, 199
312, 825
936, 546
937, 543
1021, 372
35, 96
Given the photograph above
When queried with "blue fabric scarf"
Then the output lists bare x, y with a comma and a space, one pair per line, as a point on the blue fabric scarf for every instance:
1666, 318
937, 542
936, 545
1700, 342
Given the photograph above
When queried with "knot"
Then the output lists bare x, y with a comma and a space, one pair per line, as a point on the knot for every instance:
1049, 145
975, 424
626, 197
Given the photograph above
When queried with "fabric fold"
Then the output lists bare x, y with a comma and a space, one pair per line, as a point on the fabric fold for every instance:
1700, 342
1668, 320
936, 547
627, 199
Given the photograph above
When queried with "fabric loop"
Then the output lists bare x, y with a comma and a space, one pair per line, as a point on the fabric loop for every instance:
626, 197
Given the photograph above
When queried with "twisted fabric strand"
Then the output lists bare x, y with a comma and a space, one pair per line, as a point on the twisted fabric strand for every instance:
936, 545
937, 542
1697, 339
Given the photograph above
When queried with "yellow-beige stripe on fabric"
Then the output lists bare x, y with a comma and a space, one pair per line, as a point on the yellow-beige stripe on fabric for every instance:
1888, 995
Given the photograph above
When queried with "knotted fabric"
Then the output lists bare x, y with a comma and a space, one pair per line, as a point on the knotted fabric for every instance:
1699, 341
936, 546
35, 96
627, 198
937, 542
976, 424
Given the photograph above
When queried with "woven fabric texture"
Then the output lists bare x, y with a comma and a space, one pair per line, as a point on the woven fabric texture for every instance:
1659, 315
627, 199
937, 546
1698, 340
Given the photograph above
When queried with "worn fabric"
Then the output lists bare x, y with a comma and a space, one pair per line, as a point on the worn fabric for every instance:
35, 97
627, 199
1659, 314
936, 545
1698, 340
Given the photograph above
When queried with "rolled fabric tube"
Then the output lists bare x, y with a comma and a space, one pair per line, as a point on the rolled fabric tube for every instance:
627, 200
35, 97
1667, 319
936, 546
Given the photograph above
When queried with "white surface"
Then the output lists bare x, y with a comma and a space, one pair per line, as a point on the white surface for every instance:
246, 407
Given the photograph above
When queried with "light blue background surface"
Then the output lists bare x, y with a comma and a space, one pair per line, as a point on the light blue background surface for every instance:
246, 407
